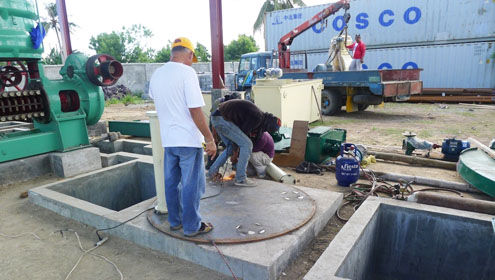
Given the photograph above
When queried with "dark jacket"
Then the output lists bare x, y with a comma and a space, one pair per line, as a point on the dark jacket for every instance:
244, 114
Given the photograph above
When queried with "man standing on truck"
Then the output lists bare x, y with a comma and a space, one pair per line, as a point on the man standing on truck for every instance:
358, 52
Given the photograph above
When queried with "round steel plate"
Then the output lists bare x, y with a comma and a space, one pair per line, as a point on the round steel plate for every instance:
247, 214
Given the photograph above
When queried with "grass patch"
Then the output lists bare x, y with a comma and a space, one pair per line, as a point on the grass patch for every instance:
112, 101
451, 131
425, 134
391, 131
333, 122
126, 100
468, 114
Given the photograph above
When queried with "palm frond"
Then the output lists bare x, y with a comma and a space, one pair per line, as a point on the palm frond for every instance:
274, 5
260, 20
299, 3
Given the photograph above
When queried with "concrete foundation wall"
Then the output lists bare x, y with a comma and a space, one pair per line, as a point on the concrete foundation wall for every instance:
411, 244
126, 186
137, 75
391, 239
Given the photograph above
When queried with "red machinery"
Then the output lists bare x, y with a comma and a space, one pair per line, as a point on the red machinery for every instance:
286, 40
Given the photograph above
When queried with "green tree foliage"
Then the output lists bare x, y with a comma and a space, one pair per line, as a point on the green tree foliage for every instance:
127, 46
236, 48
202, 53
163, 55
109, 43
274, 5
53, 58
51, 23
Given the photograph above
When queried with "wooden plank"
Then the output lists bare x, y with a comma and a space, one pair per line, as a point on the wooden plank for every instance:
297, 151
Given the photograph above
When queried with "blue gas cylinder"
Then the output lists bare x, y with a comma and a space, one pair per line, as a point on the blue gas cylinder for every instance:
347, 165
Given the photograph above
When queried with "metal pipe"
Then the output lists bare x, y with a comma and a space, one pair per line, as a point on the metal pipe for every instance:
460, 203
279, 175
64, 29
217, 58
157, 148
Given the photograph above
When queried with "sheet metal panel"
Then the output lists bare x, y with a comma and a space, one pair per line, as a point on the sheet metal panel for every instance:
444, 66
386, 22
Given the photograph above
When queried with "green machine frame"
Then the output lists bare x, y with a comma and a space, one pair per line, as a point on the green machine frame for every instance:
60, 109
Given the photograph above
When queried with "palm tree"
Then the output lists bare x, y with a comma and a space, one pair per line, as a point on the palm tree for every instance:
53, 23
274, 5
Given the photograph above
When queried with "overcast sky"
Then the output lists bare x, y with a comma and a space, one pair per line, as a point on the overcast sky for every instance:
167, 19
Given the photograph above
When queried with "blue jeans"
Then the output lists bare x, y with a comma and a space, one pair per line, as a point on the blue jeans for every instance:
184, 165
230, 134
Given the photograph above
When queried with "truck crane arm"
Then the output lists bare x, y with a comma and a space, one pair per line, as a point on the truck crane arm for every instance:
285, 42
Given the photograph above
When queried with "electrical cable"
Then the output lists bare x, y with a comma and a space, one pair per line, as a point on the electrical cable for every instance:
19, 235
224, 259
89, 252
124, 222
360, 191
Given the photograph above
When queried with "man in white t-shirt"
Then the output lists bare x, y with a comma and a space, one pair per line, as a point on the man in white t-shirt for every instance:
178, 100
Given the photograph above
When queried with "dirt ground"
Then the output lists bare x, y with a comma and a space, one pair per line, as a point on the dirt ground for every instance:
53, 256
382, 126
379, 128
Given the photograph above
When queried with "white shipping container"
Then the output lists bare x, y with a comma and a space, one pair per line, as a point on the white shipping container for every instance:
444, 66
389, 22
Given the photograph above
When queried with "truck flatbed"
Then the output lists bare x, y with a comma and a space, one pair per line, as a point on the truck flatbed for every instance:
398, 83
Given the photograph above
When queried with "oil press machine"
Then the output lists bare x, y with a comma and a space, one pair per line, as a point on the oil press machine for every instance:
59, 109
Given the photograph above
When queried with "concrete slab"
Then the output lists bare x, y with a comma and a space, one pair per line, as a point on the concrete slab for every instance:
125, 145
258, 260
391, 239
75, 162
25, 169
61, 164
97, 129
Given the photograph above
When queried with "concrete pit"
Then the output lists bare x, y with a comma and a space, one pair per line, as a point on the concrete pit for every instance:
125, 188
388, 239
115, 189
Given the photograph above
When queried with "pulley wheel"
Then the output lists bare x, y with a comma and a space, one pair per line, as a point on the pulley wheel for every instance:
103, 70
13, 74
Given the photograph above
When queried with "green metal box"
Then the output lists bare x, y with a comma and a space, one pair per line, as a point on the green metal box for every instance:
324, 142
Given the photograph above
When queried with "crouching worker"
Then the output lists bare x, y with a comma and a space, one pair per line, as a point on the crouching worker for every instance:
235, 121
261, 157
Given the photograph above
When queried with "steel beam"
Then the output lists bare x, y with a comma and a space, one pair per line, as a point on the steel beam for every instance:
217, 59
64, 29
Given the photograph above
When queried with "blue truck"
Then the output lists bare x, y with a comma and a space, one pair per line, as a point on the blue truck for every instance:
354, 89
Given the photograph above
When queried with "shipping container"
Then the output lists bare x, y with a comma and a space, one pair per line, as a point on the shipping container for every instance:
389, 22
444, 66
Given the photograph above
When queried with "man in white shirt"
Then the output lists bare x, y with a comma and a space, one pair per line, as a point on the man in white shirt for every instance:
175, 90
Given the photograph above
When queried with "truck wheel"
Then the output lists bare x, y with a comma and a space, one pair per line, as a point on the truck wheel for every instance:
330, 102
362, 107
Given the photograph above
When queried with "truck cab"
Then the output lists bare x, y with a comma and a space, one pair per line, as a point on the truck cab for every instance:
249, 64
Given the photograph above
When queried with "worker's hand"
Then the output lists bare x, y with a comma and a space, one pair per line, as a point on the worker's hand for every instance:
362, 61
211, 148
217, 177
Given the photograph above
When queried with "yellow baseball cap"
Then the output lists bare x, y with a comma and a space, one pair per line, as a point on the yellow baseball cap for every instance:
186, 43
